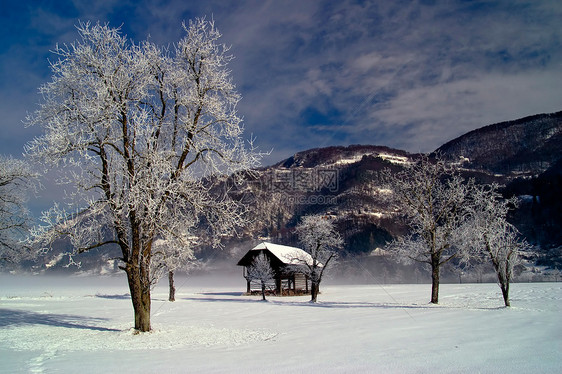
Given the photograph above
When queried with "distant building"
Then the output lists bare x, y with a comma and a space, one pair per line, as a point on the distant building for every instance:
288, 263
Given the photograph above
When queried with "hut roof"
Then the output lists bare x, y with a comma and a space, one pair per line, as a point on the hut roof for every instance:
287, 255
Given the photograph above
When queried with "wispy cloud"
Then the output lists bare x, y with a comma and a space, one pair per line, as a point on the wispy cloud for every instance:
403, 74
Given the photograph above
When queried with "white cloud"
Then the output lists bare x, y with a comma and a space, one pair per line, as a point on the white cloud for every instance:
423, 118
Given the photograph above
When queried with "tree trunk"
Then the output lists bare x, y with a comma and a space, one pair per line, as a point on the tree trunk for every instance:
504, 285
503, 280
313, 292
172, 296
140, 296
435, 282
263, 290
505, 293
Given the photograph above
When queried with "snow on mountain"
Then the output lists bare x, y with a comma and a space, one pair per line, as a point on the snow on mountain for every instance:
401, 160
340, 156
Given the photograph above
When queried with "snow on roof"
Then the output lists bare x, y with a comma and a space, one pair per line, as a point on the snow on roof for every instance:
287, 255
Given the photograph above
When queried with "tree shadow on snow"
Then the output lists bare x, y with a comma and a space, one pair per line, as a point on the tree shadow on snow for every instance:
352, 305
364, 304
327, 304
232, 297
222, 300
124, 296
222, 293
10, 317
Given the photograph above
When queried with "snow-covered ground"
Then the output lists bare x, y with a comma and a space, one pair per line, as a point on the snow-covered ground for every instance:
82, 325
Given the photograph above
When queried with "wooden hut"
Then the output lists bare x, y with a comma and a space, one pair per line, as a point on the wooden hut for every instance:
288, 263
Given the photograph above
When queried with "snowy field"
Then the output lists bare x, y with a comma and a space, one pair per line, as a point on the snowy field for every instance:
82, 324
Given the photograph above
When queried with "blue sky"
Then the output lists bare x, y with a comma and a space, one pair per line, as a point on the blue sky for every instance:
405, 74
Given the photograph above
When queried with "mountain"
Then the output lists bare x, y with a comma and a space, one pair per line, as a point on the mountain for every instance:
523, 155
527, 145
337, 181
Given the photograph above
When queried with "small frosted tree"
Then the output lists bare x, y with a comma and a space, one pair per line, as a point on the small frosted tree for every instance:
431, 196
320, 239
261, 270
490, 236
16, 179
138, 130
170, 256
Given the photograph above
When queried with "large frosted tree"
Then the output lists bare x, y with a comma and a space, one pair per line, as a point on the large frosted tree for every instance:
138, 130
431, 197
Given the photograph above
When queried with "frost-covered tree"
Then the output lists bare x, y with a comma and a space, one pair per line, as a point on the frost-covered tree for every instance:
16, 179
320, 239
260, 270
431, 197
139, 130
490, 236
170, 256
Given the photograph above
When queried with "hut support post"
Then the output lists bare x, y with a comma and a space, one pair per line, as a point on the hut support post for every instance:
248, 288
279, 286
